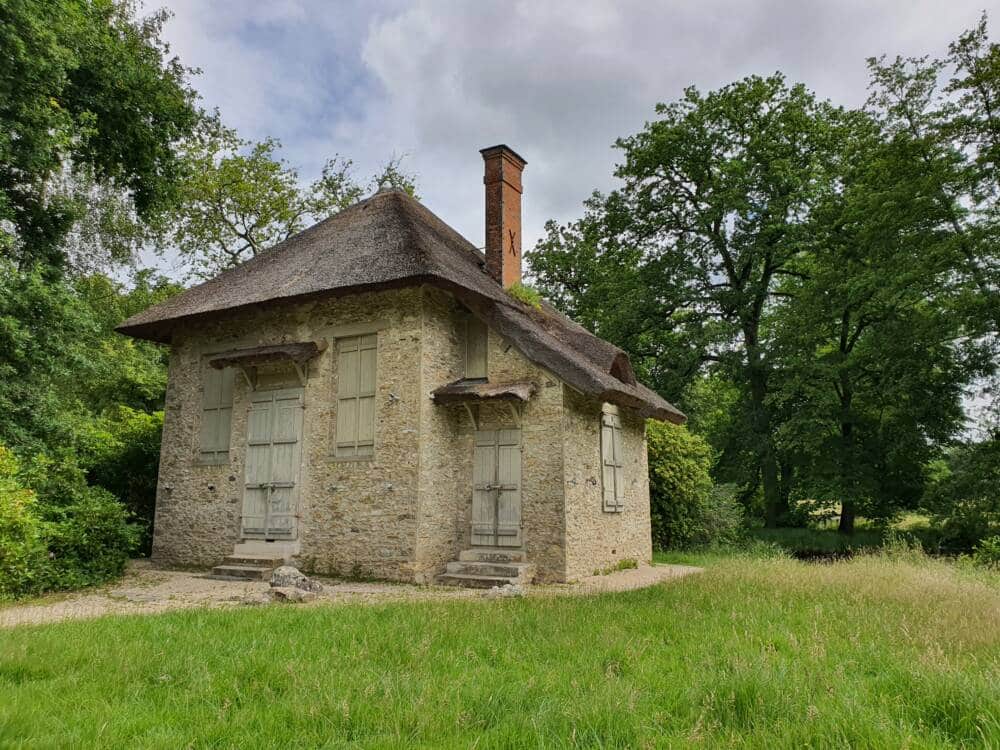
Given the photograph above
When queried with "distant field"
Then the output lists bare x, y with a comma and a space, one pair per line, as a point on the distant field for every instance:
872, 652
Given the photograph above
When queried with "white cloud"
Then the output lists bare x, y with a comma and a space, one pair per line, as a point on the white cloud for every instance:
558, 81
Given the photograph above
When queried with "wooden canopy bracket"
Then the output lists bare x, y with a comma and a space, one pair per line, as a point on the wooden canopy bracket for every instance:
302, 371
515, 411
473, 414
249, 373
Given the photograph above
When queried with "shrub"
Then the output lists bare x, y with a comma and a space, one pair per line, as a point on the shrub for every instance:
85, 531
90, 540
525, 294
126, 462
987, 553
964, 498
686, 508
23, 559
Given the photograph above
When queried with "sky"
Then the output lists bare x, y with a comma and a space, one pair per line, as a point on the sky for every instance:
435, 81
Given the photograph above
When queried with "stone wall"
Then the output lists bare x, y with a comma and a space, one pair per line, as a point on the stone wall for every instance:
597, 539
447, 446
445, 440
356, 517
406, 511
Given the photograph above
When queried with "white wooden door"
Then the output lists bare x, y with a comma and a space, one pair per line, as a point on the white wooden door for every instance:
274, 442
496, 489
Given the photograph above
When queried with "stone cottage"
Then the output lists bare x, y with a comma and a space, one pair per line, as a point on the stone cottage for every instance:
367, 398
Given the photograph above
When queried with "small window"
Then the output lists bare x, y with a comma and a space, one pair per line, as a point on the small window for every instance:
476, 340
355, 428
216, 415
611, 463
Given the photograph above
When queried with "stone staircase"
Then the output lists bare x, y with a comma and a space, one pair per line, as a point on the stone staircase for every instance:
247, 567
485, 568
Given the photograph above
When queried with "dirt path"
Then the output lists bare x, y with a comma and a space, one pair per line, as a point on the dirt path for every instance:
147, 590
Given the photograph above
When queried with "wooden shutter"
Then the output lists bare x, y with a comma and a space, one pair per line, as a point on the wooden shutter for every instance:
216, 415
356, 378
509, 483
476, 343
612, 474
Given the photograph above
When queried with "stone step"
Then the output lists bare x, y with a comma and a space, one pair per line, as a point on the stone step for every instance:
474, 581
242, 572
518, 570
255, 560
491, 554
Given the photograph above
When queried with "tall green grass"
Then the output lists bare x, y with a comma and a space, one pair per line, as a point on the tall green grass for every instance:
875, 652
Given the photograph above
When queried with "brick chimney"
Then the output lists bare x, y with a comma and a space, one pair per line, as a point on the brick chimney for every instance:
502, 178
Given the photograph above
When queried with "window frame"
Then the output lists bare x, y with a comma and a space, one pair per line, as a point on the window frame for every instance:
349, 450
475, 328
213, 405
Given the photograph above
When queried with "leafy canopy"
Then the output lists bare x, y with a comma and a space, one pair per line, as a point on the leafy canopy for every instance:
88, 94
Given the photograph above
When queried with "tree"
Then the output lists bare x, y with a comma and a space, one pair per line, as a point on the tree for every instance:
239, 198
87, 90
713, 214
686, 509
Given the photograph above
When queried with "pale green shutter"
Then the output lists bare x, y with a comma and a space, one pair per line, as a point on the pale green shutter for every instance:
355, 428
476, 340
216, 415
613, 481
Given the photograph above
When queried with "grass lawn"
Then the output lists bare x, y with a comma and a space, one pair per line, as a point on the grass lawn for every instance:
872, 652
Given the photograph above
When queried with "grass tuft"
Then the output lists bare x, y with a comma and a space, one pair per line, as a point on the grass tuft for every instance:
526, 294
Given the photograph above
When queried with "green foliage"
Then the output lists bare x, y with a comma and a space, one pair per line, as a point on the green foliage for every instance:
626, 563
88, 89
987, 552
238, 198
686, 508
62, 533
964, 499
61, 363
23, 555
817, 287
89, 539
525, 294
80, 404
717, 196
126, 461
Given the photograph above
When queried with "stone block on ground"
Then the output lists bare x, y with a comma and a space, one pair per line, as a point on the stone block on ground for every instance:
288, 576
290, 594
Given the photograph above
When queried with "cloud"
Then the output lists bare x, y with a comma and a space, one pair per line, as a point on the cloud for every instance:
558, 81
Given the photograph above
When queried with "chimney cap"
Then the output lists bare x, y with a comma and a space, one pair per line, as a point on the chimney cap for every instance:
502, 148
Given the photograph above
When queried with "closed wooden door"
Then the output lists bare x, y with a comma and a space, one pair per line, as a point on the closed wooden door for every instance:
274, 441
496, 489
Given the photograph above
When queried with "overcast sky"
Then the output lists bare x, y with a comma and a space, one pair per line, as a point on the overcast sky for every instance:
557, 81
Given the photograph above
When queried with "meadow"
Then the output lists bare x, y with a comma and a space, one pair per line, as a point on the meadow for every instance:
876, 651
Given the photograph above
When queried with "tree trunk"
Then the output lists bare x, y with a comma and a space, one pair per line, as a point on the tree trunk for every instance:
762, 434
846, 525
845, 463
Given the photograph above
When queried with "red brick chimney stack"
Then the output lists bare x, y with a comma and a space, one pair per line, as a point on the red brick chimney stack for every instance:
502, 178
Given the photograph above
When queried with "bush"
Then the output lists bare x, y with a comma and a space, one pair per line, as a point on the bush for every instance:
964, 499
987, 553
687, 510
23, 558
126, 461
62, 534
89, 541
525, 294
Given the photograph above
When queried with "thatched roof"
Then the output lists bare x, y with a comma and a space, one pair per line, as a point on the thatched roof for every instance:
391, 240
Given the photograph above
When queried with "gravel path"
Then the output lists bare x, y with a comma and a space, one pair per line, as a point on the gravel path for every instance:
146, 590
